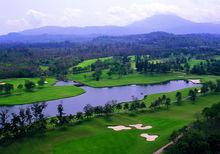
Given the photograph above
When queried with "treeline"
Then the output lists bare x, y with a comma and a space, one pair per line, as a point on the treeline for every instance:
202, 136
146, 65
210, 67
25, 59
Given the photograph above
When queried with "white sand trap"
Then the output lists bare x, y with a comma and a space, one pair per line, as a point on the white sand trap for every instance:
195, 81
149, 137
119, 128
140, 126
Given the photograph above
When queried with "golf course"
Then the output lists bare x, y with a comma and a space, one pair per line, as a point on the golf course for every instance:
93, 136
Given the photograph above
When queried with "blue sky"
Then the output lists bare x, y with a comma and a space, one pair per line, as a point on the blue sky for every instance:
17, 15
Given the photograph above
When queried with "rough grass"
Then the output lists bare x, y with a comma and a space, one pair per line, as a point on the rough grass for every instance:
94, 137
39, 94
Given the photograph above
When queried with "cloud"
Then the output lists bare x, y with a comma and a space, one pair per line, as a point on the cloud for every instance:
125, 15
195, 10
33, 19
70, 17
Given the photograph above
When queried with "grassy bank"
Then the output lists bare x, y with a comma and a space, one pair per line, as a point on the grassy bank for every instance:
135, 78
93, 136
39, 94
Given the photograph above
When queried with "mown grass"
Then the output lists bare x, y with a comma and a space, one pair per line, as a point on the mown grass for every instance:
89, 62
94, 137
39, 94
194, 62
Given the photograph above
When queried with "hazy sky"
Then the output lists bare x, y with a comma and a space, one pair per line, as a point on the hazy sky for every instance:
17, 15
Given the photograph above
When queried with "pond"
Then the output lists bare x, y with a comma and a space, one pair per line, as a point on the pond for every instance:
100, 96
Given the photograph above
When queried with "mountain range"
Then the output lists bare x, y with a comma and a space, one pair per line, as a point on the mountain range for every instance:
166, 23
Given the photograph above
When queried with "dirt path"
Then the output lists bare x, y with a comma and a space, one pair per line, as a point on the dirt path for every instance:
161, 150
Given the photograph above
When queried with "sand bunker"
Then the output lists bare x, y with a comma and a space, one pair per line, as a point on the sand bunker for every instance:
140, 126
149, 137
195, 81
119, 128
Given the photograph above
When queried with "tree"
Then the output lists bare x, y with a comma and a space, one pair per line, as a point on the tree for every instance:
142, 105
79, 115
15, 124
60, 116
218, 86
41, 82
39, 118
1, 88
98, 110
167, 102
178, 97
132, 107
212, 85
192, 95
29, 85
152, 106
108, 108
205, 88
97, 74
88, 109
126, 106
8, 88
119, 106
20, 86
109, 73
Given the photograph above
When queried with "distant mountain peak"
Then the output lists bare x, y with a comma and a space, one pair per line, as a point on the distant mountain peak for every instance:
169, 23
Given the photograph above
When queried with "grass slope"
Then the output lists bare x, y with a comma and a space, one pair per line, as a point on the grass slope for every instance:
48, 92
93, 136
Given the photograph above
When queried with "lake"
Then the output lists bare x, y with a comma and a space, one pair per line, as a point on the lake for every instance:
100, 96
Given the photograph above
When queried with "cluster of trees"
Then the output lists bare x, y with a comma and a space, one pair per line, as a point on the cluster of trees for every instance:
119, 65
203, 136
210, 67
170, 63
31, 121
7, 88
27, 122
164, 101
161, 101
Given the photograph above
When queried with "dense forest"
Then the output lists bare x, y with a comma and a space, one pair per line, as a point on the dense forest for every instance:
203, 136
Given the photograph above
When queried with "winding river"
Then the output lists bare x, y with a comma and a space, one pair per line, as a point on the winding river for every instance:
100, 96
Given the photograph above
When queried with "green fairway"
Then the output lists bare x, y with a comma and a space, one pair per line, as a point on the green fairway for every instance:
94, 137
194, 62
89, 62
39, 94
135, 78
